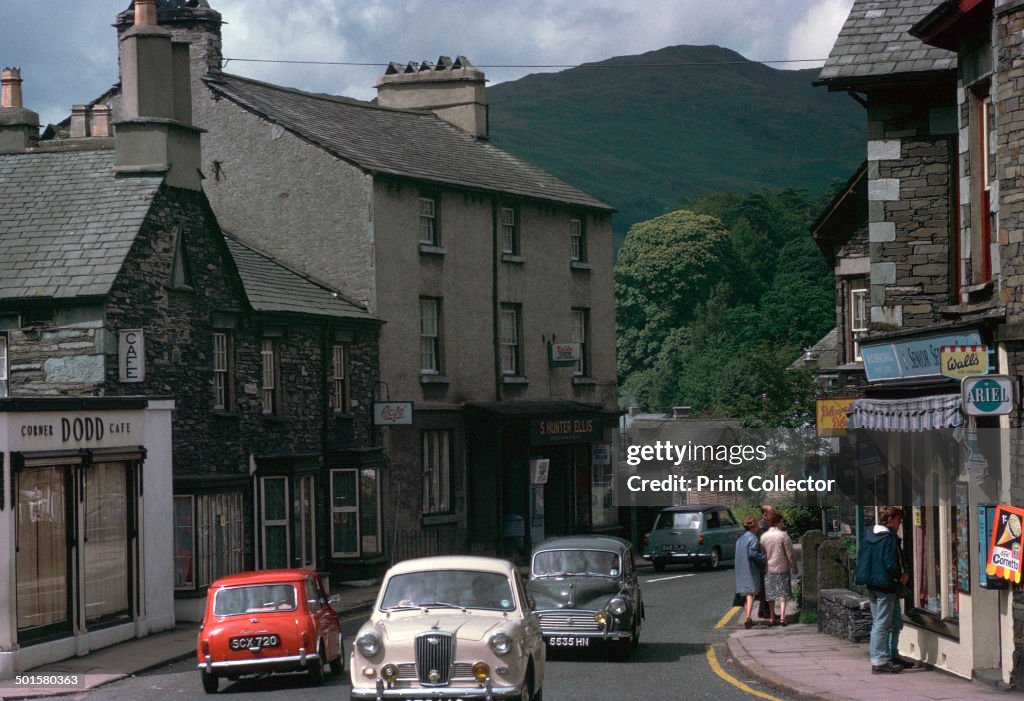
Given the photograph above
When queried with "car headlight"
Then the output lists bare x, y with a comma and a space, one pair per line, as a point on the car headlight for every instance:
500, 643
369, 644
617, 607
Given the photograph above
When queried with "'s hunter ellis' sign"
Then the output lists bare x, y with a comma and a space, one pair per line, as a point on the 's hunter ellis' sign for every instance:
570, 429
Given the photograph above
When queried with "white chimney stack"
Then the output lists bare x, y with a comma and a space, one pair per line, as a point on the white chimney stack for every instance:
454, 91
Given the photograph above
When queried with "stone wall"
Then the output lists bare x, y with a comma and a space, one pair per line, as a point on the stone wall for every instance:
844, 614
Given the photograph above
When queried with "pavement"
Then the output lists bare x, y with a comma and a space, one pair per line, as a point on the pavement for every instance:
130, 658
806, 664
795, 659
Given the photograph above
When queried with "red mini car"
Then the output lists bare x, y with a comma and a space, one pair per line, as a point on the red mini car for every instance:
268, 621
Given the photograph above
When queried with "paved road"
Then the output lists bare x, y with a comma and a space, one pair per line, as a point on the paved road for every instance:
672, 661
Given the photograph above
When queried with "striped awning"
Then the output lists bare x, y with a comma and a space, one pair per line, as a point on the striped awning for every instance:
921, 414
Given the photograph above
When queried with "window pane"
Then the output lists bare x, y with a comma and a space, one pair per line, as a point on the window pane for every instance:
345, 532
276, 546
369, 527
42, 548
274, 506
183, 546
343, 488
219, 533
106, 540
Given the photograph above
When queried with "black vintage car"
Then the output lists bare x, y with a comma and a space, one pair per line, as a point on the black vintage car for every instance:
585, 590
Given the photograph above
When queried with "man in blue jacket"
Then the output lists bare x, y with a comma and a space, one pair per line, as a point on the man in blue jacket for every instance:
880, 569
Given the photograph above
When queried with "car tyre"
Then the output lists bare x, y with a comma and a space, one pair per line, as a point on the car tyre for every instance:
659, 565
716, 558
316, 669
338, 663
210, 682
634, 642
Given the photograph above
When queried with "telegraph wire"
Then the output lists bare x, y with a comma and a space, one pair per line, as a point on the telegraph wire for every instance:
532, 65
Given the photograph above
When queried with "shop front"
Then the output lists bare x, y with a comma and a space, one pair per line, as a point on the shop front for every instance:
540, 469
85, 499
915, 446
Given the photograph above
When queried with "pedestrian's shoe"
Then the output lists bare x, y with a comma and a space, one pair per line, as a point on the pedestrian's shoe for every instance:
904, 663
887, 668
748, 624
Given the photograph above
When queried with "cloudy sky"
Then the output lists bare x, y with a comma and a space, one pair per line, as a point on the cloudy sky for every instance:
67, 49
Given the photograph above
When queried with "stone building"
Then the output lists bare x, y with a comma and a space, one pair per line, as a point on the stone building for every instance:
117, 279
494, 277
940, 87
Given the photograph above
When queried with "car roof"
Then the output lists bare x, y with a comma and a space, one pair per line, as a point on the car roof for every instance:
263, 577
453, 562
584, 542
695, 507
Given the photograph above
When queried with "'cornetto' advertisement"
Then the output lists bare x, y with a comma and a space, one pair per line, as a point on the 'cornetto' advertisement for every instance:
1004, 556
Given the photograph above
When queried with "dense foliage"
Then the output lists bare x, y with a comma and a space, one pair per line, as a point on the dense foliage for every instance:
715, 300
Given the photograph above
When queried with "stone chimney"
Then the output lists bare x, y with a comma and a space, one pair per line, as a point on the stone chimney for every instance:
454, 91
90, 120
155, 132
19, 127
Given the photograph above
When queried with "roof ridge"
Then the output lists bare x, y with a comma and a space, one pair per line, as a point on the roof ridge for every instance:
338, 294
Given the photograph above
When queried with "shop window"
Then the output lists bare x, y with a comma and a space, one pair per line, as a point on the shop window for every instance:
184, 542
105, 545
42, 550
355, 512
340, 388
219, 532
602, 494
223, 394
436, 472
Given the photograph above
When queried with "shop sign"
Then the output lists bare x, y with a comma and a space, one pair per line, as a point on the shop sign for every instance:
392, 413
1004, 555
601, 454
569, 429
53, 431
987, 395
832, 417
916, 357
959, 362
563, 355
539, 468
131, 355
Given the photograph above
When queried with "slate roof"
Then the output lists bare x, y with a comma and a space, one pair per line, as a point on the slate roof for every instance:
405, 143
271, 287
874, 45
66, 222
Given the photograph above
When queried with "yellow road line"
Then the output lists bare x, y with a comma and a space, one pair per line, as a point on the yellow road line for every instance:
717, 669
728, 614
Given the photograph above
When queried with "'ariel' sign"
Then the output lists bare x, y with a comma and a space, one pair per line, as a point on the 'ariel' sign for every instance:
987, 395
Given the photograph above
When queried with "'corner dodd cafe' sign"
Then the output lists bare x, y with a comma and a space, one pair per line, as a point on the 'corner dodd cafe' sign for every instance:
914, 357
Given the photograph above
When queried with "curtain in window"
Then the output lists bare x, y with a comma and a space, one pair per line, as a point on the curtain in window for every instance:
105, 545
41, 560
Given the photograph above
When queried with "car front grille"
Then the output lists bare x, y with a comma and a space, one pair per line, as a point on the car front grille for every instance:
577, 621
460, 670
434, 658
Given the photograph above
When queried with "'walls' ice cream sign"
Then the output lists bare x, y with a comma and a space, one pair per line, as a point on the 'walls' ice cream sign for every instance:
1004, 555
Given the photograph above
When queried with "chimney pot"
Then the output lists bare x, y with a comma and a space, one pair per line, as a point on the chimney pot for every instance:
145, 12
10, 94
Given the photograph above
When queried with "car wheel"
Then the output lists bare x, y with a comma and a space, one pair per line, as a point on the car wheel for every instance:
338, 663
659, 565
716, 557
539, 696
635, 640
316, 668
210, 682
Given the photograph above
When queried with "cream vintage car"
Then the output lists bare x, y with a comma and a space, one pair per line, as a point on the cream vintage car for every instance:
454, 627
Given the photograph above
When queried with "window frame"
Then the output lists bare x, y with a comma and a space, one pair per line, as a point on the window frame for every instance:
208, 563
431, 341
340, 391
5, 376
509, 227
577, 240
283, 522
223, 376
270, 377
857, 288
982, 218
511, 348
430, 221
581, 335
360, 509
436, 466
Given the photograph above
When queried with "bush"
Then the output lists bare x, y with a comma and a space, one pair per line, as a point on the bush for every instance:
800, 519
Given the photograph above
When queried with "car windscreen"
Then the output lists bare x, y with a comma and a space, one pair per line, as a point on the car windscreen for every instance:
257, 598
548, 563
679, 520
449, 588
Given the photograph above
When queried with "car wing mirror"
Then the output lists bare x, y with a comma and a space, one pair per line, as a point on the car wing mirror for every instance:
334, 600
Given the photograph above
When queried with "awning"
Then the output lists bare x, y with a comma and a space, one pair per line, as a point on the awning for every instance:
921, 414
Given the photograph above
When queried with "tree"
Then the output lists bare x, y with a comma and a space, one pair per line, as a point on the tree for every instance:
667, 266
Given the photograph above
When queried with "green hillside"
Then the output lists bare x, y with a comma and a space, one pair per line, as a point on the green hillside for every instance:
641, 137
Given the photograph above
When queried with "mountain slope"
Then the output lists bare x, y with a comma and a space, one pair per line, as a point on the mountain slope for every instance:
641, 132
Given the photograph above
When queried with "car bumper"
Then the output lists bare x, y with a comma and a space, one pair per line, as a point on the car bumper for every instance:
285, 663
466, 692
675, 555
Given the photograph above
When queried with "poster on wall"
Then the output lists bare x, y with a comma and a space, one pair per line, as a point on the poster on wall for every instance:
1004, 555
